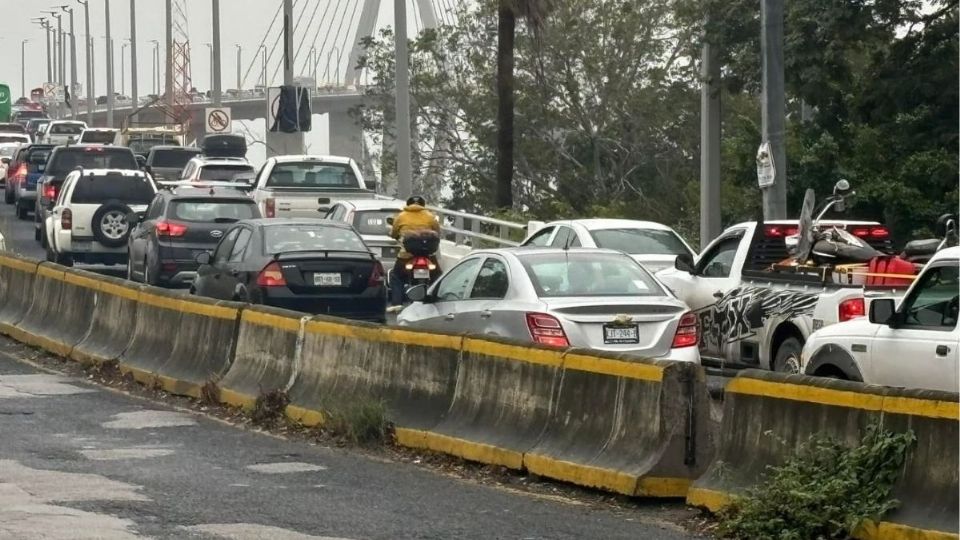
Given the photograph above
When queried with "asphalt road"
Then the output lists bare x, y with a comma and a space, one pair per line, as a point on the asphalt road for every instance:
78, 461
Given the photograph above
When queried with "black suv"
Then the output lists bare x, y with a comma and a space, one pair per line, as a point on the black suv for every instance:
177, 226
165, 163
64, 159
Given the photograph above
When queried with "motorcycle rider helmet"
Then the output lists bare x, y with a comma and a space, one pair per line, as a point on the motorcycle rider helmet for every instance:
416, 199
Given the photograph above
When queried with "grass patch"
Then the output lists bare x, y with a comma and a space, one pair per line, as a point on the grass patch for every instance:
269, 408
826, 490
364, 422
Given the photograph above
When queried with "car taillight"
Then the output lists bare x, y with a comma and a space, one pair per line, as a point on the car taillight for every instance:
66, 220
546, 330
21, 174
780, 231
687, 332
49, 192
851, 309
270, 208
870, 232
170, 229
271, 276
377, 276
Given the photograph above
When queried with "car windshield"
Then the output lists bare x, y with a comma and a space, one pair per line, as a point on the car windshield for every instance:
294, 237
213, 210
126, 189
13, 139
373, 222
226, 173
7, 151
174, 158
91, 157
588, 274
313, 174
640, 241
98, 137
66, 129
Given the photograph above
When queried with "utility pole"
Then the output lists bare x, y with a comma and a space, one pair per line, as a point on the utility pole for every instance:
168, 80
279, 143
709, 145
73, 63
109, 47
263, 67
217, 88
773, 106
123, 67
89, 59
23, 68
404, 167
42, 21
133, 57
210, 63
239, 56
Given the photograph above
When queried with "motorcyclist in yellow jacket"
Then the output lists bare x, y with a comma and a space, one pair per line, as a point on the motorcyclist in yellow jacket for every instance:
413, 219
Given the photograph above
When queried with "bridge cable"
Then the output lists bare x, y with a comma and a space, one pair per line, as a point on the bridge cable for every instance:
306, 31
326, 38
263, 42
316, 34
295, 28
354, 18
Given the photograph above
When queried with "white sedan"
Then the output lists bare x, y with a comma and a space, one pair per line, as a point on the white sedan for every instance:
652, 244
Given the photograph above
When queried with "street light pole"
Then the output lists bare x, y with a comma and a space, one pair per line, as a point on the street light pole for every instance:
42, 21
217, 87
23, 67
133, 57
73, 63
404, 166
110, 102
263, 68
123, 67
89, 56
156, 66
239, 56
210, 51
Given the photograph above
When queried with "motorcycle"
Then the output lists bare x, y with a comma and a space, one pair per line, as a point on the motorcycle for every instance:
829, 245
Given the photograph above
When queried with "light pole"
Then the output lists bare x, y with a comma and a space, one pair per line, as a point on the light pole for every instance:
263, 70
88, 41
326, 68
133, 57
73, 63
217, 86
57, 42
23, 67
239, 57
110, 101
313, 62
156, 66
123, 67
42, 21
210, 49
773, 106
404, 165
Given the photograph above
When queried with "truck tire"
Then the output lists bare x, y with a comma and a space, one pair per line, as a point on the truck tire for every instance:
787, 359
110, 226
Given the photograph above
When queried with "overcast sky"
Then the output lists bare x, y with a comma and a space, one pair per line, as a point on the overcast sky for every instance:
243, 22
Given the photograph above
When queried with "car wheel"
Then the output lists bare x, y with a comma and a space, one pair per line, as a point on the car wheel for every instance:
788, 356
23, 213
64, 260
110, 226
8, 196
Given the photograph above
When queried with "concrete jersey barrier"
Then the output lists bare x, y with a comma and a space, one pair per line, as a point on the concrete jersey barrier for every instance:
768, 415
17, 275
112, 322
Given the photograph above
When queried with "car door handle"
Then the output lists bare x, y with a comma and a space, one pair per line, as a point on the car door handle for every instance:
450, 316
942, 350
486, 314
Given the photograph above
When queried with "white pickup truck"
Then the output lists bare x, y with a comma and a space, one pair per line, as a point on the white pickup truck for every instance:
915, 345
307, 186
754, 316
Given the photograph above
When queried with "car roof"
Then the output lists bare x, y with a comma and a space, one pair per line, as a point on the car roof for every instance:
266, 222
97, 147
195, 192
374, 204
100, 129
796, 221
175, 147
305, 157
111, 172
521, 252
946, 253
600, 224
208, 160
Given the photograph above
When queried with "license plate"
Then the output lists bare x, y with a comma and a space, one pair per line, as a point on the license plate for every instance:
619, 335
421, 273
327, 280
81, 246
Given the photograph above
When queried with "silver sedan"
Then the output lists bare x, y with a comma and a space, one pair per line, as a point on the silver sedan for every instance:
589, 298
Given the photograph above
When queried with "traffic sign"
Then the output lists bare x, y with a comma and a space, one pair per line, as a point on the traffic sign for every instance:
218, 120
49, 90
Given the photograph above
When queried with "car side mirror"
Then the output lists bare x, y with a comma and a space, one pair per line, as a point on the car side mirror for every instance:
417, 293
203, 257
883, 311
684, 262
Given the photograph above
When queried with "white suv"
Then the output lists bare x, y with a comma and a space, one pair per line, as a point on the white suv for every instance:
218, 169
88, 223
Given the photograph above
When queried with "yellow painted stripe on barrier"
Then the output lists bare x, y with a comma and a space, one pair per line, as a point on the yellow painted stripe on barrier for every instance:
17, 264
343, 330
236, 399
159, 301
886, 530
617, 368
811, 394
46, 271
653, 486
307, 417
187, 306
58, 348
119, 290
259, 318
473, 451
81, 281
922, 407
713, 501
582, 475
423, 339
514, 352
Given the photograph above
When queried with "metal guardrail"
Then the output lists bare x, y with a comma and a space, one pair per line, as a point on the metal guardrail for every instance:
467, 228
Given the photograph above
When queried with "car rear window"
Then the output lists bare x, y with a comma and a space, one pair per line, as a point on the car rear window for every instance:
40, 154
8, 151
68, 159
173, 158
588, 274
312, 174
293, 237
30, 114
373, 221
126, 189
66, 129
226, 173
98, 137
640, 241
14, 139
213, 210
12, 127
141, 144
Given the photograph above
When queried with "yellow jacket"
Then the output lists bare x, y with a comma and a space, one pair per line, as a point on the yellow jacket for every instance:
414, 218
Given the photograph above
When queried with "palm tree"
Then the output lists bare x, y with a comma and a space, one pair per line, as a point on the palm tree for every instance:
534, 12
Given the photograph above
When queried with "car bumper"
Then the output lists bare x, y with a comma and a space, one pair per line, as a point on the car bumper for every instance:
685, 354
369, 306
